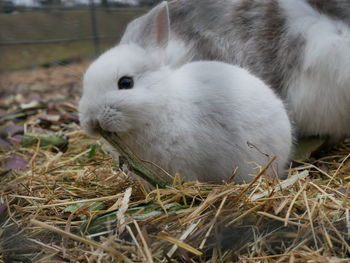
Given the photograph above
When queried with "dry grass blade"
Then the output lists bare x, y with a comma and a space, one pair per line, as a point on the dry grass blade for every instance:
310, 218
338, 169
180, 244
279, 219
284, 184
114, 252
146, 249
292, 204
184, 235
249, 211
213, 222
257, 176
99, 199
340, 236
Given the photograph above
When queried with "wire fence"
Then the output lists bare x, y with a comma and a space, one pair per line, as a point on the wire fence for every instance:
95, 36
28, 31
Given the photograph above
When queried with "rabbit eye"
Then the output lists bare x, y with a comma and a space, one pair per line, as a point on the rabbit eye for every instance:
125, 82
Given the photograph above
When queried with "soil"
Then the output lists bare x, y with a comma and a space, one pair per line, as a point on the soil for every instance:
54, 83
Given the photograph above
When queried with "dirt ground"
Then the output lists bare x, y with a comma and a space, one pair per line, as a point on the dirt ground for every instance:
61, 82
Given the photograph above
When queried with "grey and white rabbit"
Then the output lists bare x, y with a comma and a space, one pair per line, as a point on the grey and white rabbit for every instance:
199, 119
301, 48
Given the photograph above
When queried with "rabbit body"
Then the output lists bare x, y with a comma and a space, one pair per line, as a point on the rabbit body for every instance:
196, 119
301, 48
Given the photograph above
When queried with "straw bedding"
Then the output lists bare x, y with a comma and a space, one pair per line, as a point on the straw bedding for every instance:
64, 199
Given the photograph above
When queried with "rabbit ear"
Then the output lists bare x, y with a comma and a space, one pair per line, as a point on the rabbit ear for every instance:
161, 25
151, 29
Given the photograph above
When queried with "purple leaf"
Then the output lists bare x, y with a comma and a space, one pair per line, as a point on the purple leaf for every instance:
16, 163
7, 133
16, 140
3, 208
13, 130
5, 144
344, 190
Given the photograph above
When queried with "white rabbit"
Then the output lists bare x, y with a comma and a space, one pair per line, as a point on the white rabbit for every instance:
196, 119
301, 48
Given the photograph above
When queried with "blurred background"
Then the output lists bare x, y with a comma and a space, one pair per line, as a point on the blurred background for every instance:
42, 33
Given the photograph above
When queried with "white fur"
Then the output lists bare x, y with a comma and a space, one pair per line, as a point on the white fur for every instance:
314, 77
195, 119
318, 95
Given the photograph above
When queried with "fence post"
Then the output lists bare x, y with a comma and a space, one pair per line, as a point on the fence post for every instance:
94, 26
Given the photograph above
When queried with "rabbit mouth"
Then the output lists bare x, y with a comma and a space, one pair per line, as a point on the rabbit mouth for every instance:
94, 127
91, 126
112, 120
108, 119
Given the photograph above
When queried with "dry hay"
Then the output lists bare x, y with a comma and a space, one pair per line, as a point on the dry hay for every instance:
74, 205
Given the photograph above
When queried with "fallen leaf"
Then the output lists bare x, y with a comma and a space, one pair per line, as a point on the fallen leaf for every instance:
344, 190
93, 206
4, 144
15, 140
70, 117
3, 208
92, 151
50, 117
306, 146
46, 140
32, 105
16, 162
12, 130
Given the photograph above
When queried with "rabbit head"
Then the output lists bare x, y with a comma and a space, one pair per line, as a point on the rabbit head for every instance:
122, 86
